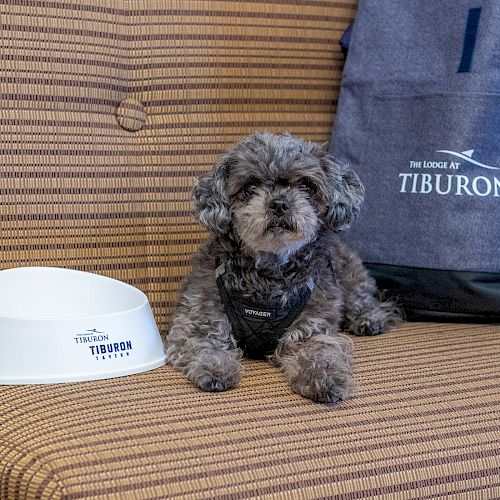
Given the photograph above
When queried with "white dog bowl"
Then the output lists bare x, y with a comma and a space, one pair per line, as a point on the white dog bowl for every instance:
61, 325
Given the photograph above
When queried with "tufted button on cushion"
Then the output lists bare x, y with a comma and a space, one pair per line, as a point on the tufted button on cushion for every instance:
131, 114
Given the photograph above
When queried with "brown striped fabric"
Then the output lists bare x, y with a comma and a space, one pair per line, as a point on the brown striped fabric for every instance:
424, 423
108, 110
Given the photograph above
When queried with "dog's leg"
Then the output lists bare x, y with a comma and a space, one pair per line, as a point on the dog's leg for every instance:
319, 368
205, 352
364, 312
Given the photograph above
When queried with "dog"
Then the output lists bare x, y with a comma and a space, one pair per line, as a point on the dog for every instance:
273, 280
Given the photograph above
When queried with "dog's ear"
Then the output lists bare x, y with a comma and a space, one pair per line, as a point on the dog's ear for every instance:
211, 199
345, 193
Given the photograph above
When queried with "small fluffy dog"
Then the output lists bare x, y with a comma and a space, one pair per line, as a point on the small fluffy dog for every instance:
273, 280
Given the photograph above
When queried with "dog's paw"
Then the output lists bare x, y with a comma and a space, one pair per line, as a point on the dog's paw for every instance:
208, 383
376, 320
368, 327
217, 382
321, 369
215, 370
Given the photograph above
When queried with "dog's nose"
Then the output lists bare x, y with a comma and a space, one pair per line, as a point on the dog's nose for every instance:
279, 206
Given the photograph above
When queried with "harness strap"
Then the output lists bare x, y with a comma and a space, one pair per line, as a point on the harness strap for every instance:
258, 328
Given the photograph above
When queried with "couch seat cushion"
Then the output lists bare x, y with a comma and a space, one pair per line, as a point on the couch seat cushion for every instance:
424, 423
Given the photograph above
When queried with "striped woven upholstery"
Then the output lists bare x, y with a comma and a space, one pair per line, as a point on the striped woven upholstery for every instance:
423, 424
185, 79
108, 110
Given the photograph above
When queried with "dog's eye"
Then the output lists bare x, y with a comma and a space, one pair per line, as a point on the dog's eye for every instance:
308, 186
249, 188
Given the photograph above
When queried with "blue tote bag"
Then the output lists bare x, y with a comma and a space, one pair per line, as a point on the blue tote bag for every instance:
419, 120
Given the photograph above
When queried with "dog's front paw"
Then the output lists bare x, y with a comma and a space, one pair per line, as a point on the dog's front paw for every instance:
321, 368
208, 383
215, 371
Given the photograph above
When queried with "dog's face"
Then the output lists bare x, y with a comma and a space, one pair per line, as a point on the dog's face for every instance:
275, 193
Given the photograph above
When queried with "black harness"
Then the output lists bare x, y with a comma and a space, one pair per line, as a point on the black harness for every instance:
258, 328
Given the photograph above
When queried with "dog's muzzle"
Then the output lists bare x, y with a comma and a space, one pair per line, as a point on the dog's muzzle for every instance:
280, 215
280, 206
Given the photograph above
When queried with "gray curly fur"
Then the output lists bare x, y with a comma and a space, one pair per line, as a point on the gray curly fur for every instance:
268, 256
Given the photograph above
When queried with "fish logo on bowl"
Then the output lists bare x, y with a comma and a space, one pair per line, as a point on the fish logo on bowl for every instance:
93, 335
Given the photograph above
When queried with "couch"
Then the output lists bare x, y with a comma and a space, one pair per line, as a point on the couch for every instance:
108, 112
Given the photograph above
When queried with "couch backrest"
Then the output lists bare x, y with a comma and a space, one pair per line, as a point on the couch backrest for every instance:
109, 110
